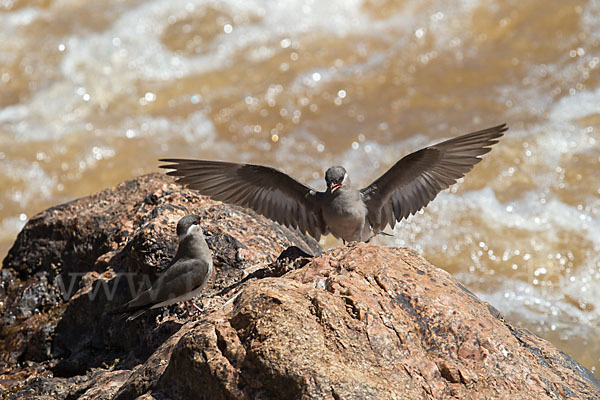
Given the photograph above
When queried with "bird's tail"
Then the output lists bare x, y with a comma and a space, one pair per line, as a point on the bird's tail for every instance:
136, 314
125, 311
385, 234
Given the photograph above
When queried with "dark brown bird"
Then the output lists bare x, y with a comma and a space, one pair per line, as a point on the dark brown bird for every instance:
342, 210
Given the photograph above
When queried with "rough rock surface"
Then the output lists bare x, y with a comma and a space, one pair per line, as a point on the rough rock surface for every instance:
358, 322
72, 263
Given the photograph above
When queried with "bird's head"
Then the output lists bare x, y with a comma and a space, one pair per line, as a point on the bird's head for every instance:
188, 224
336, 177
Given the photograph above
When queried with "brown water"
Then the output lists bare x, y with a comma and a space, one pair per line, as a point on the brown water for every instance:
93, 93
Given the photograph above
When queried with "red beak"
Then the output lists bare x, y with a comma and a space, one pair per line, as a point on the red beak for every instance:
335, 187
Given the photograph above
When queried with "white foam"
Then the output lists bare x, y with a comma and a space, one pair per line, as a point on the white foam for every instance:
13, 114
197, 130
140, 54
11, 21
31, 177
11, 226
540, 309
99, 68
579, 105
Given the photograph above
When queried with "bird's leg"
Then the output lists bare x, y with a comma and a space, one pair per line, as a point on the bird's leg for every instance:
344, 242
186, 307
195, 306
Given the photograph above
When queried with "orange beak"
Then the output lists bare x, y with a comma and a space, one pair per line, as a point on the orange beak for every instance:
335, 187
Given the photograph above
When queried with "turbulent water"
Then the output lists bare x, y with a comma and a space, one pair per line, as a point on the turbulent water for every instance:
94, 92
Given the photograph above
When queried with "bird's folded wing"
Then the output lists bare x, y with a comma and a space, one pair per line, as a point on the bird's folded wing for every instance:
178, 280
416, 179
266, 190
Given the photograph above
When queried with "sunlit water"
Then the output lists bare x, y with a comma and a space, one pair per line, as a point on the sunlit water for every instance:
93, 93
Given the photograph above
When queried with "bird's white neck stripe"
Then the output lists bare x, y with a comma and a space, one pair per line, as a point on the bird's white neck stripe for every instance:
191, 229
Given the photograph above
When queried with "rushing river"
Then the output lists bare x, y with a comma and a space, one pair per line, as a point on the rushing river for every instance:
94, 92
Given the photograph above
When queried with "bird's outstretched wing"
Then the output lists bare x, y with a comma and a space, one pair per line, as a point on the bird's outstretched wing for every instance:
417, 178
265, 190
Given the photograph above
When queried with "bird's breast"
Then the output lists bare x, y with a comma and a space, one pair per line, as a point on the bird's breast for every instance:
345, 215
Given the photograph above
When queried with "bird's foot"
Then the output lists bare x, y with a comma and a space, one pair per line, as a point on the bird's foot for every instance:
196, 307
193, 305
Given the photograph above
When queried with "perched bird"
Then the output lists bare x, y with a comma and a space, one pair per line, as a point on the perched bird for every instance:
342, 210
184, 278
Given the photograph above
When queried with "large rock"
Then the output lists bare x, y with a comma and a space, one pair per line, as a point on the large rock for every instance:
360, 321
72, 263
